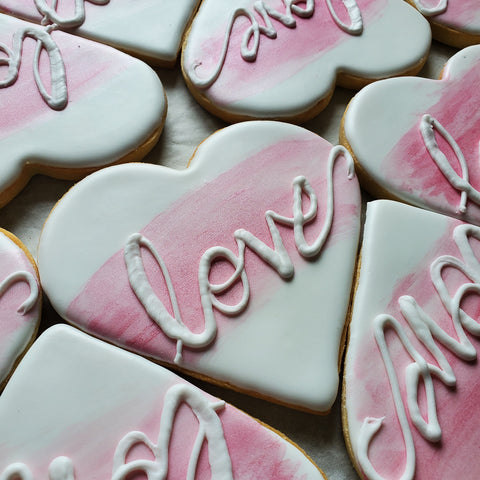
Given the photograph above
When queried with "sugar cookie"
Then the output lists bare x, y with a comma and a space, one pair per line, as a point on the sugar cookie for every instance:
237, 269
416, 139
411, 372
20, 302
280, 59
70, 106
78, 408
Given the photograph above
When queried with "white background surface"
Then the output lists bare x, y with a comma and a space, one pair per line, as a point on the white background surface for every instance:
186, 126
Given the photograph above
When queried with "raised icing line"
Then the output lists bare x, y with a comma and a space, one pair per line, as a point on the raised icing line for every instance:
210, 431
277, 257
50, 13
428, 127
441, 7
22, 276
428, 333
253, 33
58, 97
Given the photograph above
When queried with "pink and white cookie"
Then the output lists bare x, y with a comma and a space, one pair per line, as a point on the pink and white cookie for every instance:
281, 59
411, 386
70, 106
78, 408
416, 139
149, 29
20, 302
237, 269
456, 22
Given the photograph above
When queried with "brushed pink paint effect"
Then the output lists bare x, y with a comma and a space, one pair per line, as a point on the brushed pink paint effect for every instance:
456, 407
206, 217
410, 168
460, 14
12, 324
278, 59
88, 66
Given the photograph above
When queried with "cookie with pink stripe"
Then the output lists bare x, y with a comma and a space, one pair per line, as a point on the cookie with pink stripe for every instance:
20, 302
281, 59
149, 29
70, 106
412, 393
456, 22
416, 139
78, 408
237, 269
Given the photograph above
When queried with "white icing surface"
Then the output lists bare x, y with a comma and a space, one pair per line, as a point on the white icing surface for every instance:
82, 397
100, 118
320, 436
405, 40
64, 276
147, 28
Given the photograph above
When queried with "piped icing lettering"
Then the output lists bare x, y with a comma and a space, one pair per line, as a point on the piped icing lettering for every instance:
27, 277
251, 38
277, 258
50, 12
431, 335
61, 468
428, 127
210, 432
57, 98
430, 11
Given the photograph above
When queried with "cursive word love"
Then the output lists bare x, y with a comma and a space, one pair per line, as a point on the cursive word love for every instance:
277, 258
49, 12
27, 277
430, 334
430, 11
57, 99
251, 38
429, 126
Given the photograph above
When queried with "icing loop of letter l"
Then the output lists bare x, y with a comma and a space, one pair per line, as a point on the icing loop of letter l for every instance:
277, 258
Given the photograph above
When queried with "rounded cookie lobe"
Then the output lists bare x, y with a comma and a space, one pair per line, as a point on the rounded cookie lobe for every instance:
104, 413
229, 270
71, 106
411, 388
455, 22
150, 30
20, 302
416, 139
278, 59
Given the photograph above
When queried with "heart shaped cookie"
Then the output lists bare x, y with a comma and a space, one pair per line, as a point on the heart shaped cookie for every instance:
149, 29
237, 269
411, 372
280, 59
20, 302
78, 408
70, 106
416, 139
456, 22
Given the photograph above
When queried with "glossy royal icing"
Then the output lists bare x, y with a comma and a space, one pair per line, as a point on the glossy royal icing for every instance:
68, 103
253, 278
459, 18
280, 58
150, 29
410, 379
20, 303
104, 413
417, 139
